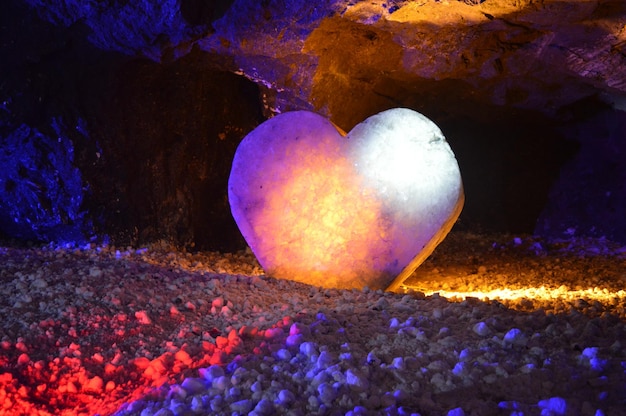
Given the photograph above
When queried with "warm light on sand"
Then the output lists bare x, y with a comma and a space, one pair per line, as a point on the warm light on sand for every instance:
537, 294
317, 238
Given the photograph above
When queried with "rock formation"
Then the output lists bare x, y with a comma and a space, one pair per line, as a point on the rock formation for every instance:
154, 97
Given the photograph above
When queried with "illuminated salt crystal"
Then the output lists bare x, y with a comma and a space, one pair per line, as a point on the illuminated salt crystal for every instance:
345, 211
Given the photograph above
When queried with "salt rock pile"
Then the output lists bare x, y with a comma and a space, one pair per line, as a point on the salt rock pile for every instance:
345, 211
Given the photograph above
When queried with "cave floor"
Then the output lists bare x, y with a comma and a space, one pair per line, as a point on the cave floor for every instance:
106, 330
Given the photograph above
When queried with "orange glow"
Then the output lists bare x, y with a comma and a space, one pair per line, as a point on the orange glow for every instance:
334, 241
538, 295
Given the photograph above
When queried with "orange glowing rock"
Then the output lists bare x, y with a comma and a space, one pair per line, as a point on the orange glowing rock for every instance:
345, 211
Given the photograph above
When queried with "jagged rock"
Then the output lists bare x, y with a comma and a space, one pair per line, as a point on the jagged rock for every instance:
41, 196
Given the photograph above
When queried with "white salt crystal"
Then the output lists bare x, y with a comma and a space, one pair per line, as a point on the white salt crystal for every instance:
372, 358
164, 412
308, 348
555, 405
460, 368
456, 412
211, 373
296, 178
264, 407
286, 397
298, 328
356, 380
482, 329
39, 283
143, 318
221, 383
327, 393
217, 403
94, 385
241, 406
178, 407
233, 393
465, 354
193, 385
398, 363
325, 359
515, 337
294, 340
197, 406
284, 354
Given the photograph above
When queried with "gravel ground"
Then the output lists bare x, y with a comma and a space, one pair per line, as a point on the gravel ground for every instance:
489, 325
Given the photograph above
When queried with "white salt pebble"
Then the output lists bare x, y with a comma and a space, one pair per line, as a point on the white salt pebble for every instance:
241, 406
217, 403
327, 393
217, 303
460, 368
298, 328
465, 354
197, 405
40, 283
274, 333
294, 340
482, 329
94, 385
555, 405
283, 354
211, 373
356, 380
308, 348
372, 359
143, 318
286, 397
178, 407
398, 363
193, 385
233, 393
325, 359
264, 407
515, 337
221, 383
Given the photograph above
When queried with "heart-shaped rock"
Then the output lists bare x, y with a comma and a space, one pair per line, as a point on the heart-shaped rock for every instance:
345, 211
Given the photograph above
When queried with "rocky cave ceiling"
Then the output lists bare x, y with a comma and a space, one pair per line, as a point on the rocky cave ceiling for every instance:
148, 100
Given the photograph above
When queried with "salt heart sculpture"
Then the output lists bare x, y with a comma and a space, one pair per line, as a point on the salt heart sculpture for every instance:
345, 211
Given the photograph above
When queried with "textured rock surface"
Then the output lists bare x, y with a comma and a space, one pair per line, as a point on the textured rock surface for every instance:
345, 212
102, 146
512, 83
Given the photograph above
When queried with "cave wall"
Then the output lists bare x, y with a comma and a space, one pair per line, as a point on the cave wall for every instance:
99, 146
119, 119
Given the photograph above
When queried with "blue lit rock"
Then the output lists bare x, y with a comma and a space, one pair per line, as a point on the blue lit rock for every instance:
347, 211
41, 191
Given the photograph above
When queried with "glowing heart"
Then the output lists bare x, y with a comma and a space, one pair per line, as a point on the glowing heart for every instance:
346, 211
